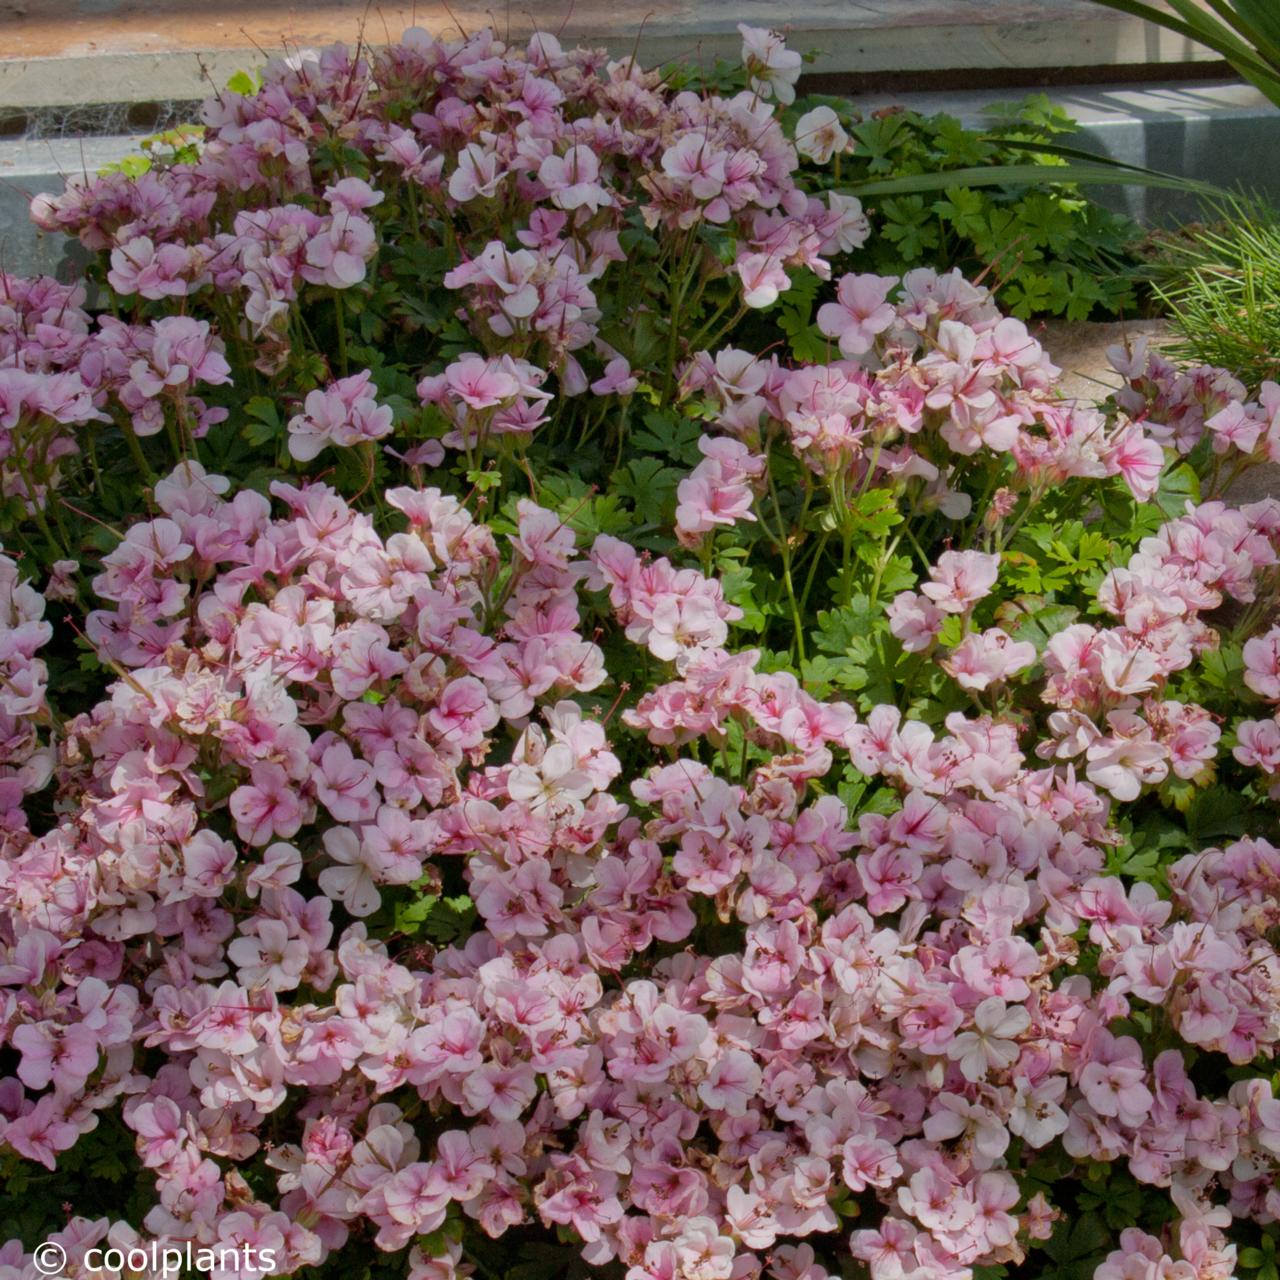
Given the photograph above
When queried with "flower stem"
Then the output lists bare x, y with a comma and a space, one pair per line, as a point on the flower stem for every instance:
340, 314
784, 551
28, 483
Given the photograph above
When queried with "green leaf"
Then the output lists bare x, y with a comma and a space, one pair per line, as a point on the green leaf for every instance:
876, 512
452, 918
1215, 815
548, 1262
441, 919
1077, 1238
738, 585
132, 166
965, 209
1043, 220
109, 1165
264, 425
878, 137
898, 574
1263, 16
1039, 622
993, 239
839, 629
908, 225
883, 801
956, 146
802, 291
1223, 668
1031, 292
409, 917
1140, 864
1195, 24
1075, 293
1178, 486
1101, 173
672, 436
649, 485
794, 318
820, 674
1037, 110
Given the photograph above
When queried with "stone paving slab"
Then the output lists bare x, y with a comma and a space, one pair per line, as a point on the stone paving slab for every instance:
61, 52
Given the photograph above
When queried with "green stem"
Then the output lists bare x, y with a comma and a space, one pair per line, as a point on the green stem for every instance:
980, 507
785, 552
882, 563
306, 337
1033, 500
28, 483
622, 433
340, 314
681, 276
871, 468
135, 448
925, 562
63, 532
844, 515
696, 343
174, 443
906, 680
1216, 472
717, 336
413, 209
813, 569
91, 448
795, 606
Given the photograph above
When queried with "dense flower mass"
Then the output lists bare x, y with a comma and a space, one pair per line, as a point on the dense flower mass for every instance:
501, 752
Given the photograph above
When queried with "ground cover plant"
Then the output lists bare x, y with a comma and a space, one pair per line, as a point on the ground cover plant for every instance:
550, 721
1045, 248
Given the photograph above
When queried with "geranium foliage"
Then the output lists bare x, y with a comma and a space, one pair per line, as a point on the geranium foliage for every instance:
550, 721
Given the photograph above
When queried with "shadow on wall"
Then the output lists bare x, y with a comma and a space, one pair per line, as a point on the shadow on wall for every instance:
1209, 135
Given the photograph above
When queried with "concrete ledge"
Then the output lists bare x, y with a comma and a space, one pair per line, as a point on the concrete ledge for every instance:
65, 52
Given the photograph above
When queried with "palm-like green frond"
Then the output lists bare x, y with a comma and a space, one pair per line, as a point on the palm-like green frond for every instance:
1244, 32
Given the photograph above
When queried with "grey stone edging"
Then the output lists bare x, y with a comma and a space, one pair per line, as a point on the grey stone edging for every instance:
848, 36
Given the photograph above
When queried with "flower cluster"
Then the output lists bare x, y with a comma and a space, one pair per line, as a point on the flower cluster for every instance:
345, 414
932, 376
1258, 741
1182, 407
561, 143
902, 1007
